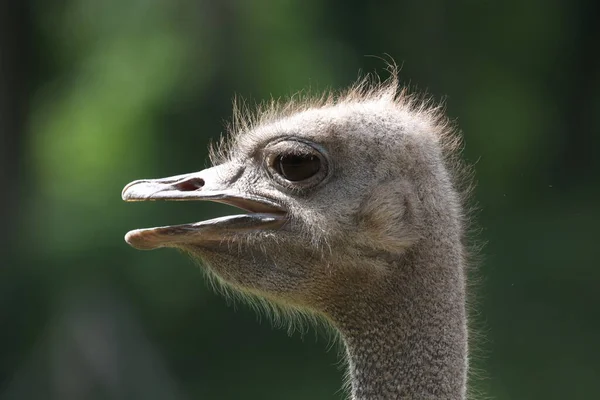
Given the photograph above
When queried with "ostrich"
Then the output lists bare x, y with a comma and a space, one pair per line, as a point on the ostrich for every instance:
354, 215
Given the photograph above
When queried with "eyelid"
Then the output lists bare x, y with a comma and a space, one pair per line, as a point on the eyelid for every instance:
299, 142
288, 145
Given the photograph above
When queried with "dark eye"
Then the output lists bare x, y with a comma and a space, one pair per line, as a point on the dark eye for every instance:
297, 167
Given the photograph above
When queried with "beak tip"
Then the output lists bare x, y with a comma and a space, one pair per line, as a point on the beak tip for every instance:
125, 195
134, 191
128, 237
126, 192
135, 239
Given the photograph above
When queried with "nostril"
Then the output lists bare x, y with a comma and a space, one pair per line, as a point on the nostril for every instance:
190, 185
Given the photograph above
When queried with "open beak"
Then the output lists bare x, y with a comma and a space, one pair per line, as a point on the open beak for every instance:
207, 185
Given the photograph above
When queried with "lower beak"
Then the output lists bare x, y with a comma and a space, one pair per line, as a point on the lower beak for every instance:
206, 185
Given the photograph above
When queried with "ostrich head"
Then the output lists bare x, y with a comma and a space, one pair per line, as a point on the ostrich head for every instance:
352, 215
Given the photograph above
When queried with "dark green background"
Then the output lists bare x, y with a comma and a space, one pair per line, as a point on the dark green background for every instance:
94, 94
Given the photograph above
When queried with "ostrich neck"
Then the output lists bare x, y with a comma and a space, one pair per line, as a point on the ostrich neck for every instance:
410, 342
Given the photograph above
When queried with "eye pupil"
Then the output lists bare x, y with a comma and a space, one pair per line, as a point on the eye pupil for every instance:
297, 167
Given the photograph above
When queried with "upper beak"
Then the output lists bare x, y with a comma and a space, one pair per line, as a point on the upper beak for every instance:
211, 184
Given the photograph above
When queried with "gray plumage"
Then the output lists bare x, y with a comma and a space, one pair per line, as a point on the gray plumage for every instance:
371, 239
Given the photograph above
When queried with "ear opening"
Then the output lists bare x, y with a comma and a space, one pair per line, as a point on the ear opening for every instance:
389, 218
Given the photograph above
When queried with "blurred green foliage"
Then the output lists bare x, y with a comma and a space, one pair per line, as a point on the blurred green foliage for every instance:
96, 94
